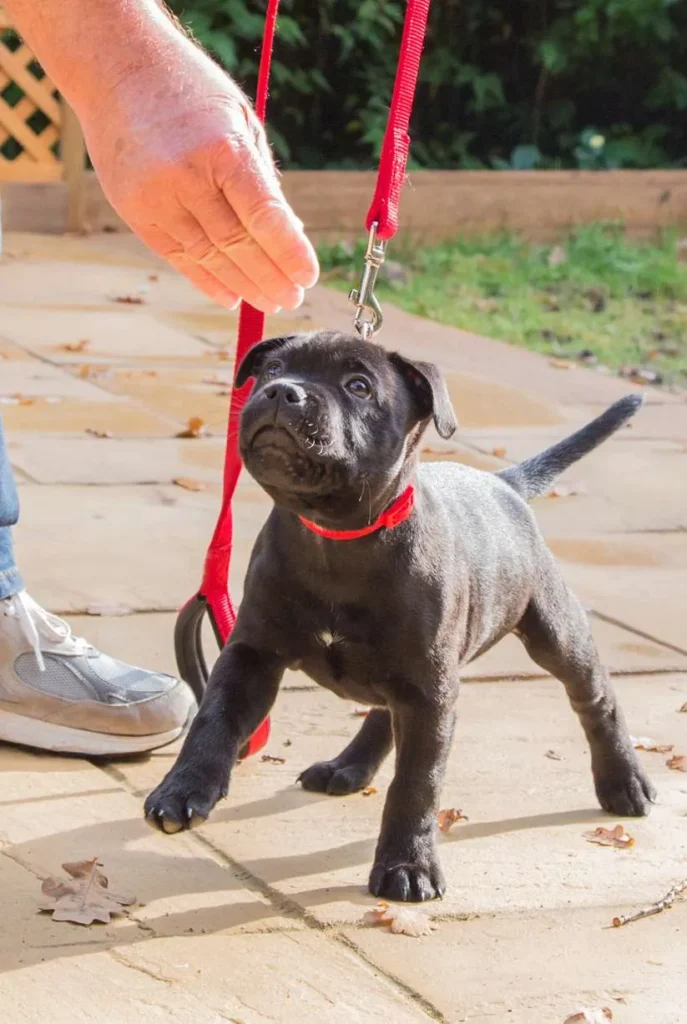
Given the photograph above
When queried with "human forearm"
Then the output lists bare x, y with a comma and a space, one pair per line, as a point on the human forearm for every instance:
177, 147
88, 47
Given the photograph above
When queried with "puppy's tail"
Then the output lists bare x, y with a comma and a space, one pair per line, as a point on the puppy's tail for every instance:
535, 476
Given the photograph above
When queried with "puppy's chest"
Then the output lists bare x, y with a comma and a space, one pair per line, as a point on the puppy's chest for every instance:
345, 652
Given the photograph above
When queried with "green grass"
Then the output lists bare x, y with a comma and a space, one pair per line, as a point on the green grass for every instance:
595, 292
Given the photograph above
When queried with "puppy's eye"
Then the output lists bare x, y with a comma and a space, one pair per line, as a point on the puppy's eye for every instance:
272, 369
359, 387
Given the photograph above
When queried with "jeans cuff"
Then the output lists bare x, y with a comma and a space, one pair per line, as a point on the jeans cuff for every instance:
10, 582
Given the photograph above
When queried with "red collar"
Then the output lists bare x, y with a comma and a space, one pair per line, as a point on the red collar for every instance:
393, 516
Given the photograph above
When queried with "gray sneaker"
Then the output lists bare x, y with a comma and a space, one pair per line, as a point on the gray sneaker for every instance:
59, 693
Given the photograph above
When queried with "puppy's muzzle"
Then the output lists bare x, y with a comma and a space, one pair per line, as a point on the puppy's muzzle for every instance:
285, 393
280, 404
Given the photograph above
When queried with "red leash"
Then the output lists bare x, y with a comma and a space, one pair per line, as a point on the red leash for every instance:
382, 217
394, 156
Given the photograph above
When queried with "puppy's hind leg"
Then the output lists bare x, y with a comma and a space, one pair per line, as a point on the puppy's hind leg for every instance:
557, 635
357, 765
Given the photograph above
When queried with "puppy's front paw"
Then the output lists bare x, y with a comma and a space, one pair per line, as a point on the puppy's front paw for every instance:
182, 801
408, 881
335, 778
625, 790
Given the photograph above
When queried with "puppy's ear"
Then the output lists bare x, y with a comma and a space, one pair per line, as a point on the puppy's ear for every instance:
255, 359
428, 387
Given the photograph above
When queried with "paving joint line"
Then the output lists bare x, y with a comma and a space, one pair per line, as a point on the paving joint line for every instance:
639, 632
285, 905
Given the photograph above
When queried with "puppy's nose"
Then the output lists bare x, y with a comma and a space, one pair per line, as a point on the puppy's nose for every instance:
292, 394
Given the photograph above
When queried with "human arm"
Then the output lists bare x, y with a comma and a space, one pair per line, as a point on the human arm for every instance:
177, 147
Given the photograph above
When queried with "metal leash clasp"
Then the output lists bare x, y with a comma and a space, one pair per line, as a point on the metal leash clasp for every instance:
368, 314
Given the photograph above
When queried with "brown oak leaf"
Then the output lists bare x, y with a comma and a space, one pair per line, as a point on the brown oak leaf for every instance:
617, 837
678, 762
84, 897
448, 817
400, 920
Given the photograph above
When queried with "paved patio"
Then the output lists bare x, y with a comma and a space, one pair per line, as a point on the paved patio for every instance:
256, 916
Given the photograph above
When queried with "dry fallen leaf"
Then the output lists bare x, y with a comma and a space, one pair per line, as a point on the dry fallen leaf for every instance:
195, 427
684, 707
447, 818
360, 712
223, 354
188, 483
565, 491
590, 1016
75, 346
561, 364
617, 837
369, 791
271, 759
401, 920
84, 897
129, 300
645, 743
153, 277
678, 762
553, 756
498, 453
98, 433
428, 450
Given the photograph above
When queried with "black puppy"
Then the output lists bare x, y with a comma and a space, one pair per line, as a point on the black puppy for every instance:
380, 578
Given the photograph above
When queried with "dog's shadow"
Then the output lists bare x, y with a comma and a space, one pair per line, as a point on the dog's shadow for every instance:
156, 878
360, 851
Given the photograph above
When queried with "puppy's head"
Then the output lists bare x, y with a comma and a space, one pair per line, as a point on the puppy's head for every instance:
332, 422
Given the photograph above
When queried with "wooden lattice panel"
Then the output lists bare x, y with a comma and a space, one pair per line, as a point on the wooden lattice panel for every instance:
30, 122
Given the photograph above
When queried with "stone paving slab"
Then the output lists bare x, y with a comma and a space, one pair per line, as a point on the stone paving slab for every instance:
76, 418
191, 951
33, 378
539, 968
275, 864
525, 809
117, 460
642, 477
113, 332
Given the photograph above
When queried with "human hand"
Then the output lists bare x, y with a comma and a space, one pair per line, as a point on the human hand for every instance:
183, 159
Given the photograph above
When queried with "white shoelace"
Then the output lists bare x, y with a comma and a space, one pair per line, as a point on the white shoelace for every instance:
35, 623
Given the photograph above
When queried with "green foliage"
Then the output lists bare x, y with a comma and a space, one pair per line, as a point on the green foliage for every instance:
620, 302
503, 84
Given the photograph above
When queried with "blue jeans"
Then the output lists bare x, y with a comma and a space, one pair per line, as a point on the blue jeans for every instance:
10, 577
